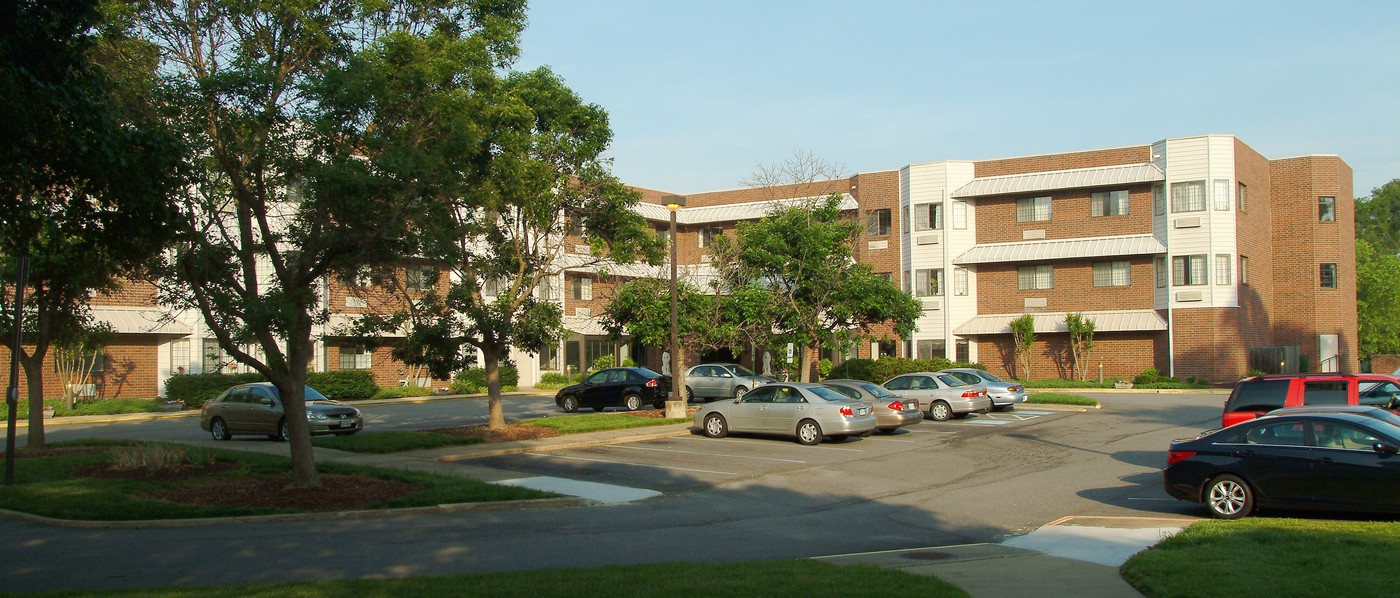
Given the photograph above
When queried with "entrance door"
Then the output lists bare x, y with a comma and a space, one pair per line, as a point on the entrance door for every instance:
1327, 353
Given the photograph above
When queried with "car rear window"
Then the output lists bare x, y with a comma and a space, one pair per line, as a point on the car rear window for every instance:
1258, 395
1329, 392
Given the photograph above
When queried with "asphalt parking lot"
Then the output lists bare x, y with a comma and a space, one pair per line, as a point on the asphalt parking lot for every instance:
695, 462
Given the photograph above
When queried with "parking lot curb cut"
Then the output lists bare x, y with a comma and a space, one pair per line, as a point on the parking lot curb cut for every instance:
293, 517
553, 444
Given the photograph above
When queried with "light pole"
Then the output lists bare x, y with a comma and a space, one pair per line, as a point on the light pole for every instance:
675, 406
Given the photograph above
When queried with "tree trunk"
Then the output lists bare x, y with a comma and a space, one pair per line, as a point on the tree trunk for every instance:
496, 417
804, 364
34, 381
292, 388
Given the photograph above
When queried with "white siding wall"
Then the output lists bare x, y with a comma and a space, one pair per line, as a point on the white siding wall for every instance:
933, 183
1205, 158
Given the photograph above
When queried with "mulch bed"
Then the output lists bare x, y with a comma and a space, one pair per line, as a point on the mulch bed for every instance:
337, 493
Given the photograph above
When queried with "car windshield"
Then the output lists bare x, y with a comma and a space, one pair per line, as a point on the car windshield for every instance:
828, 394
740, 370
648, 373
876, 391
309, 394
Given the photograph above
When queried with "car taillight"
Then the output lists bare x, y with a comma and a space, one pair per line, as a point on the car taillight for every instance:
897, 406
652, 383
1014, 389
969, 394
846, 411
1174, 456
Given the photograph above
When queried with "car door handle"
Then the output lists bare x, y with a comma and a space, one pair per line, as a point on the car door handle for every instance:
1244, 453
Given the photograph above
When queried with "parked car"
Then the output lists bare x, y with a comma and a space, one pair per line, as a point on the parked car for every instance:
710, 381
891, 412
1005, 394
1255, 396
1341, 461
629, 388
257, 409
945, 395
807, 411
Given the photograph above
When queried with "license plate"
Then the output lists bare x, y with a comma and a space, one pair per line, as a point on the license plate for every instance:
864, 411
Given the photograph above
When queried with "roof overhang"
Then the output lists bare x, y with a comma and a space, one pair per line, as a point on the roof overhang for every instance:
729, 212
1103, 176
139, 320
1062, 249
1104, 321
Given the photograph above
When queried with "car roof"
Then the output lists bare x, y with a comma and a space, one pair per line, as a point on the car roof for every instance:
1331, 415
1306, 375
1326, 409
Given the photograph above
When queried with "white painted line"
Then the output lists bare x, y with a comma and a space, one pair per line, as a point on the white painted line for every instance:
604, 493
727, 456
629, 463
1035, 412
986, 422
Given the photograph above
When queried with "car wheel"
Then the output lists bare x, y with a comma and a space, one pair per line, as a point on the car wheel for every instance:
689, 394
632, 402
219, 429
569, 403
715, 426
808, 432
740, 391
1229, 497
940, 411
282, 431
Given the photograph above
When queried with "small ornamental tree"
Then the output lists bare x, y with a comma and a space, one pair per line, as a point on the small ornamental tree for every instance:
1023, 335
1081, 342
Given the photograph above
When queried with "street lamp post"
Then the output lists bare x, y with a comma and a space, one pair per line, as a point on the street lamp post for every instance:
675, 406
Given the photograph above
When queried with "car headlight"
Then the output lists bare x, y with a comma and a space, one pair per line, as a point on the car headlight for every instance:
315, 415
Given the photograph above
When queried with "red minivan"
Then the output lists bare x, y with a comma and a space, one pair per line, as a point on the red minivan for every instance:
1258, 395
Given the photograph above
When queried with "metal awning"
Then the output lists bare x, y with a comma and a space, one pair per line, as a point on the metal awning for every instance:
1060, 249
585, 325
1103, 176
728, 212
1104, 321
139, 320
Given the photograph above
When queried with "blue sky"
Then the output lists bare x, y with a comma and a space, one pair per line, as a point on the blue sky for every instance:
698, 92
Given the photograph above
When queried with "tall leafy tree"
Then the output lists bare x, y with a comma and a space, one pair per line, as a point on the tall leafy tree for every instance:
801, 254
1378, 218
1377, 299
290, 186
84, 182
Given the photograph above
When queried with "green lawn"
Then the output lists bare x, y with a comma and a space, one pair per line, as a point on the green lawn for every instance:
47, 486
1059, 398
87, 407
778, 579
390, 442
597, 422
1269, 558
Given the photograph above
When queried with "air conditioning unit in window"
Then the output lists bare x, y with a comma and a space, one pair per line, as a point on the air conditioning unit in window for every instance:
1188, 296
932, 304
929, 239
1036, 302
1188, 222
878, 245
1031, 235
583, 311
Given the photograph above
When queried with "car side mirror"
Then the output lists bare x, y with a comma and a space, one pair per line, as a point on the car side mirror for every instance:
1385, 448
726, 375
266, 401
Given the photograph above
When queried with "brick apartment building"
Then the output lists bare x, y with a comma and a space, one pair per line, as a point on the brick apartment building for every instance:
1196, 255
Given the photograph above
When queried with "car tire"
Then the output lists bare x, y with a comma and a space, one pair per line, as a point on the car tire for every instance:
632, 402
740, 391
809, 433
939, 411
689, 395
218, 428
282, 431
569, 403
1229, 497
715, 426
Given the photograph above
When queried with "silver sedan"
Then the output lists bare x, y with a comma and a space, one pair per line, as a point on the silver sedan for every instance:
891, 411
945, 395
804, 410
1005, 393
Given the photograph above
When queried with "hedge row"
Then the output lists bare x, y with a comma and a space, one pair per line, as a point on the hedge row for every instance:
196, 389
473, 380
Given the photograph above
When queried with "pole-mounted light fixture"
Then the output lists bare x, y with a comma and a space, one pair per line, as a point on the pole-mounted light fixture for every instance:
675, 407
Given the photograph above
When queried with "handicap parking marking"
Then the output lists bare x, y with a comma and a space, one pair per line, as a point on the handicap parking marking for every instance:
1024, 412
986, 422
610, 462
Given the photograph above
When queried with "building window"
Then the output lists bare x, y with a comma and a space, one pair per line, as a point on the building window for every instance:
1112, 274
877, 223
1159, 200
180, 355
1034, 278
1188, 270
931, 348
960, 281
213, 357
928, 282
583, 289
421, 278
546, 289
1329, 276
1222, 195
1244, 270
960, 214
1327, 209
962, 352
1239, 192
549, 358
1222, 269
928, 216
1108, 203
88, 362
709, 233
1159, 266
1032, 209
354, 358
1189, 197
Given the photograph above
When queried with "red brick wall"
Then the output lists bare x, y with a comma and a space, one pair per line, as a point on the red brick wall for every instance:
1074, 290
129, 371
386, 370
1254, 240
1124, 355
131, 294
1070, 219
1137, 154
1207, 344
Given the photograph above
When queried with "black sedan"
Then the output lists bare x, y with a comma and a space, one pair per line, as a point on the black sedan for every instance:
1334, 461
629, 388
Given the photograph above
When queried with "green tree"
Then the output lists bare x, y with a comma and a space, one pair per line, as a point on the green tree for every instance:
1378, 218
1081, 342
84, 182
1377, 299
1023, 338
290, 184
817, 295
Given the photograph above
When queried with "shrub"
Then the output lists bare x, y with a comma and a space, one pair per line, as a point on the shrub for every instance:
555, 378
1063, 383
854, 369
824, 368
601, 363
196, 389
1253, 373
473, 380
629, 363
343, 384
399, 392
1148, 376
889, 367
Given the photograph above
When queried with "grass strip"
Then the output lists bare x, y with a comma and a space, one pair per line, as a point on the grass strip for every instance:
776, 579
598, 422
1059, 398
390, 442
1266, 558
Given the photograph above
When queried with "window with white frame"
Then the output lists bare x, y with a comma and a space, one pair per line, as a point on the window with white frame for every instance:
1113, 274
549, 358
928, 216
1221, 195
1223, 276
1244, 269
928, 282
1034, 278
708, 235
1108, 203
1032, 209
547, 289
1327, 209
877, 223
354, 357
930, 348
959, 281
1189, 196
420, 278
213, 357
1159, 267
1328, 276
1159, 200
960, 214
180, 355
1188, 270
1240, 195
583, 289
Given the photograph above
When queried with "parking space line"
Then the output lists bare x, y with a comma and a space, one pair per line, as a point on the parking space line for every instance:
1034, 412
986, 422
628, 463
727, 456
